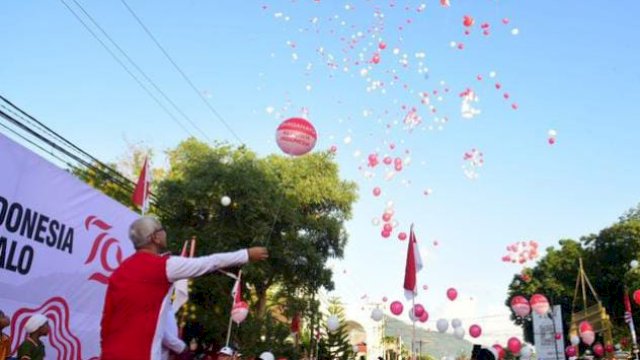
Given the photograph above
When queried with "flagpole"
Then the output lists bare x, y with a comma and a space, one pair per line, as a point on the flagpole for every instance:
144, 187
413, 334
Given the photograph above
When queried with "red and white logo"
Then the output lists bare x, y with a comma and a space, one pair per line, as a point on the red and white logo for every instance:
102, 245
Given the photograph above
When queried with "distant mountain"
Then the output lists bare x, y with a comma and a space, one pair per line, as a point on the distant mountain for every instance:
434, 343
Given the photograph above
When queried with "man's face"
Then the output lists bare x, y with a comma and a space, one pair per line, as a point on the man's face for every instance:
159, 238
44, 329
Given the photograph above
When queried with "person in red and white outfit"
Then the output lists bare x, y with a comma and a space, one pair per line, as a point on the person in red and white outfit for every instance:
134, 317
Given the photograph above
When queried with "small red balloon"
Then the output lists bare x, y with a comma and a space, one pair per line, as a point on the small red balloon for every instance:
467, 21
475, 331
570, 351
376, 191
452, 294
402, 236
598, 349
636, 297
382, 45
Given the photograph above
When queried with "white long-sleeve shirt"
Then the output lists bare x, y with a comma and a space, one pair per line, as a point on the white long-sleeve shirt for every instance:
170, 340
179, 267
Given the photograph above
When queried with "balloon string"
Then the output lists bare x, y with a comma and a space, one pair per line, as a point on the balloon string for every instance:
277, 214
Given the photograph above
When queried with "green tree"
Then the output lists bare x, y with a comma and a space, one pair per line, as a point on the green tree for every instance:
606, 257
554, 276
335, 345
295, 206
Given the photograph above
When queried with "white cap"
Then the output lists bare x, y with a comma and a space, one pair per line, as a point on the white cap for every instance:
226, 351
35, 322
266, 356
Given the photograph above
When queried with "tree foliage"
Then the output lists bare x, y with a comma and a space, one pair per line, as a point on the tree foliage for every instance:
335, 345
295, 206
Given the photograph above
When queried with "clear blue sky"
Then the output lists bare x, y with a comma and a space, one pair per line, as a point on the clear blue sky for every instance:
572, 68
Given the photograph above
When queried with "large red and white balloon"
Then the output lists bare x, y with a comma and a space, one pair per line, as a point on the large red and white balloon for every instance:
296, 136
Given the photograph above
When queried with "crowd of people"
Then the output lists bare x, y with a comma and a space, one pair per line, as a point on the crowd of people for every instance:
137, 319
32, 347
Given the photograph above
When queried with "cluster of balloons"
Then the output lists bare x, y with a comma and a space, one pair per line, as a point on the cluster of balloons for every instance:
587, 336
522, 307
522, 251
418, 313
442, 325
473, 160
388, 223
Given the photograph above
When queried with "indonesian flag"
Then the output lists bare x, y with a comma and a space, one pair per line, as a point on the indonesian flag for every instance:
414, 264
295, 324
181, 287
236, 293
142, 191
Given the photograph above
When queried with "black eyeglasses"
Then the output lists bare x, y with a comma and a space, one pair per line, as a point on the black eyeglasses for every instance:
156, 231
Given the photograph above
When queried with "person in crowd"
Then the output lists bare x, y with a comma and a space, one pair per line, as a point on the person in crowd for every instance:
226, 353
32, 348
138, 291
266, 356
5, 340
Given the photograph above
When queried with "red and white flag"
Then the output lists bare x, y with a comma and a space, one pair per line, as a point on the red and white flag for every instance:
414, 264
236, 293
142, 191
181, 287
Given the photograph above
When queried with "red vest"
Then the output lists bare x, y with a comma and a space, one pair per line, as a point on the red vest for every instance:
132, 307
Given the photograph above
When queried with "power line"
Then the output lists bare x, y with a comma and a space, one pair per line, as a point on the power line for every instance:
144, 74
182, 73
95, 36
63, 146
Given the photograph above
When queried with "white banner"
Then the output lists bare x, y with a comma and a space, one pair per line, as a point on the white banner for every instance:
59, 241
548, 335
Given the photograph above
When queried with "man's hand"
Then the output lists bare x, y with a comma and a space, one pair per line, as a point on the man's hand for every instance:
258, 253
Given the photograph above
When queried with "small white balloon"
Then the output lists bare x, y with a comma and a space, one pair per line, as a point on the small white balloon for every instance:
356, 348
575, 340
515, 31
375, 221
442, 325
458, 333
225, 201
456, 323
634, 264
377, 314
552, 133
333, 323
525, 352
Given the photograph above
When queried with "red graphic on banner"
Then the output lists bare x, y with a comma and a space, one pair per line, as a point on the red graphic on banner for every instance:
101, 246
56, 309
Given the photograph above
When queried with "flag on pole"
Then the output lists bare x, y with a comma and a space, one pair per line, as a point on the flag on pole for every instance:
413, 265
181, 287
140, 196
628, 317
236, 293
295, 324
